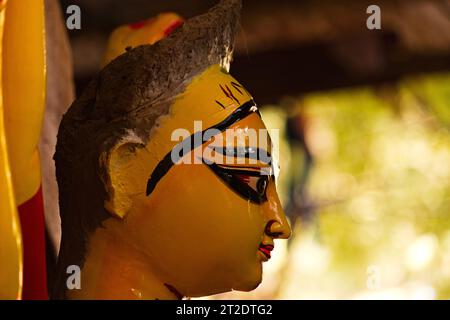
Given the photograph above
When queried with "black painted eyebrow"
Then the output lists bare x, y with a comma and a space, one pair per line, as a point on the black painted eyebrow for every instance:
166, 163
245, 152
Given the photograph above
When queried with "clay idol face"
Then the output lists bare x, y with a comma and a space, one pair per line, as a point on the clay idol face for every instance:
206, 215
165, 172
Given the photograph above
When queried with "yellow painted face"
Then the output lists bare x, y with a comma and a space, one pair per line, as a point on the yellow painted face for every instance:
206, 226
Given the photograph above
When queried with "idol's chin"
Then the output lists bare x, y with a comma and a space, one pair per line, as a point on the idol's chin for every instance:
252, 279
246, 281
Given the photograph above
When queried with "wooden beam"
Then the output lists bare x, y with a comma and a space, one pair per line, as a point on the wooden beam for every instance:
293, 71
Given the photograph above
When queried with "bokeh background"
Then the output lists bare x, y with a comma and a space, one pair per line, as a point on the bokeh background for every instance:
364, 119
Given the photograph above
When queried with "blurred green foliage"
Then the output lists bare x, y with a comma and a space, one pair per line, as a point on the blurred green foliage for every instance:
381, 188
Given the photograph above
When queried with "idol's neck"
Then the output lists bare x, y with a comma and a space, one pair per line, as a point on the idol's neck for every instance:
115, 270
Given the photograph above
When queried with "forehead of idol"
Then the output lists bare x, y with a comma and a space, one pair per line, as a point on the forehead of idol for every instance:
208, 99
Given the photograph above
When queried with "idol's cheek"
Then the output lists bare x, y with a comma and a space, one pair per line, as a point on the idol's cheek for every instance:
200, 236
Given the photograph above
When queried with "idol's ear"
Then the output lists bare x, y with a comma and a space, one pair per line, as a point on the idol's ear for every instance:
119, 165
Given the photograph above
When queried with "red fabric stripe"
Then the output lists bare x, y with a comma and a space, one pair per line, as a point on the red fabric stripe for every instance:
175, 25
32, 221
140, 24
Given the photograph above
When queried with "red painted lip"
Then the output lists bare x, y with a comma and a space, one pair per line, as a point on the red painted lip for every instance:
265, 249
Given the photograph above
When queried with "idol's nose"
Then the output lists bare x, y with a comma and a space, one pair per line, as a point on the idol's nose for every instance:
277, 226
278, 230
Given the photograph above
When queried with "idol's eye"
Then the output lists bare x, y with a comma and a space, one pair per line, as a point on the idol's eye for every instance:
257, 183
249, 183
261, 185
